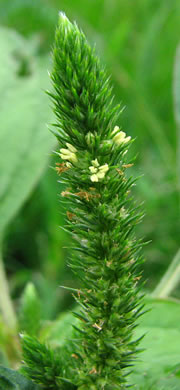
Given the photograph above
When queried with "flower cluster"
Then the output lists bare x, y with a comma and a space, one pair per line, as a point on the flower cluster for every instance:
120, 136
69, 153
98, 172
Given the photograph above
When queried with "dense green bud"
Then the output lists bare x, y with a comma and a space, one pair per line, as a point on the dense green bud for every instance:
44, 366
82, 91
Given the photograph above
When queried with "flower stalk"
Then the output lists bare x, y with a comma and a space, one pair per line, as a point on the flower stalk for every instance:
101, 217
6, 306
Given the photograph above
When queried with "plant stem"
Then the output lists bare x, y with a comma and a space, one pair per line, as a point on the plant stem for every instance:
6, 306
170, 279
177, 116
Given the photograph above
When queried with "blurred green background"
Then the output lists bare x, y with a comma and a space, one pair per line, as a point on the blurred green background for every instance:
137, 41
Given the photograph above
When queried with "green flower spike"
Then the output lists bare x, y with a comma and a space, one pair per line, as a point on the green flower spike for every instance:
106, 255
101, 219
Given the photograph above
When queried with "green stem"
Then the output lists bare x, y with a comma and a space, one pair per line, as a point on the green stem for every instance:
170, 279
6, 306
177, 115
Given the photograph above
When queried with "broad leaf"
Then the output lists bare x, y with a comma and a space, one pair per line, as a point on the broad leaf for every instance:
157, 367
25, 142
12, 380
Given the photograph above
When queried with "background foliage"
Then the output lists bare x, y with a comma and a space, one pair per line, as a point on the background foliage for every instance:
138, 41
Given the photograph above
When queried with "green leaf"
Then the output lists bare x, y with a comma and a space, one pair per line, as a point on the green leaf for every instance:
161, 326
5, 384
25, 143
30, 311
12, 380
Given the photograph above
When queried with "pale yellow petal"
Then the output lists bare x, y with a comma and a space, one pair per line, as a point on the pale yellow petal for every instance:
64, 156
68, 165
93, 169
94, 178
127, 139
73, 157
115, 129
95, 163
104, 168
100, 175
67, 155
71, 147
64, 151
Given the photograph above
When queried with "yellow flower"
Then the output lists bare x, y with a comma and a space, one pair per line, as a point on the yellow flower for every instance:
69, 154
120, 136
68, 165
98, 171
71, 148
104, 168
94, 178
95, 163
93, 169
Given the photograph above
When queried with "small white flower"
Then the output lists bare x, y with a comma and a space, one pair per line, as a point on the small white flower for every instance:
71, 148
98, 171
68, 165
94, 178
120, 136
69, 154
104, 168
93, 169
65, 151
116, 129
100, 175
95, 163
